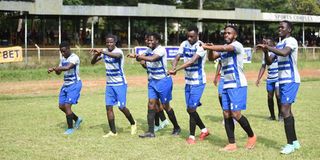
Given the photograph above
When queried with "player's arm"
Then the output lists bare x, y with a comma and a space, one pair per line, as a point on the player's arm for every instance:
96, 56
215, 79
175, 61
143, 64
113, 55
152, 58
267, 58
261, 72
280, 52
54, 69
212, 55
185, 65
64, 68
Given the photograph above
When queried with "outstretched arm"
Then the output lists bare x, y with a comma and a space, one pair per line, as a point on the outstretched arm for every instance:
267, 58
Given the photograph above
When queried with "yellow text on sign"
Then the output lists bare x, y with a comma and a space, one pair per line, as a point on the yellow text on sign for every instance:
11, 54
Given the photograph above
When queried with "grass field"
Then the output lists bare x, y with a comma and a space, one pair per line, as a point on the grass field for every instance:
31, 125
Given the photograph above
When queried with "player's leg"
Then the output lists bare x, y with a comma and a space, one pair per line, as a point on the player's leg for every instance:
150, 119
288, 94
176, 128
238, 97
192, 123
270, 93
153, 97
110, 117
229, 127
164, 90
110, 100
73, 96
156, 117
228, 122
277, 93
121, 94
164, 121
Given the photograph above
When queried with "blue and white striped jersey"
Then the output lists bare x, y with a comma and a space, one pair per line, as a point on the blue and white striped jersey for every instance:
194, 74
287, 66
272, 69
232, 67
157, 69
114, 68
71, 76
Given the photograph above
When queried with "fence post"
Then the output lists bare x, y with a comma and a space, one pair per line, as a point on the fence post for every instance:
38, 48
314, 53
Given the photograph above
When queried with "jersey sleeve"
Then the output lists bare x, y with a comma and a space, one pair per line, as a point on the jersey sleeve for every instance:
238, 48
200, 51
180, 50
161, 51
292, 43
74, 59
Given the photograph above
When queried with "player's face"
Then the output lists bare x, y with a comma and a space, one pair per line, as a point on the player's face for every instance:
284, 30
110, 43
65, 51
152, 42
229, 35
192, 37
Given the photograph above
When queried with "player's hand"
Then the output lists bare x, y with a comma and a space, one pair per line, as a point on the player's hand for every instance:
96, 51
257, 82
131, 55
215, 81
51, 69
262, 46
172, 72
206, 45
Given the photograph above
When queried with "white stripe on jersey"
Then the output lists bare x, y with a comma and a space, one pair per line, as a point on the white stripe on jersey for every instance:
194, 74
158, 68
287, 66
272, 69
114, 68
232, 67
71, 76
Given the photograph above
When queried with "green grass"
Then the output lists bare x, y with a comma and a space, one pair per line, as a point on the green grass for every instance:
31, 127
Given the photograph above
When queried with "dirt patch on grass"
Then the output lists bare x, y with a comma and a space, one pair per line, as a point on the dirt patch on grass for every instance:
53, 86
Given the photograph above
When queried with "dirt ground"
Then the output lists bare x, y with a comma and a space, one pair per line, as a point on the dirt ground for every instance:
51, 86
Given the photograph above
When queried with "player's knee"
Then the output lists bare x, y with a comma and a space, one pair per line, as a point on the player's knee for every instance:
123, 108
191, 110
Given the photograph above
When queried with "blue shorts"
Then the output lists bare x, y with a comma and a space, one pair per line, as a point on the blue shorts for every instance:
116, 95
288, 92
220, 86
160, 89
272, 85
70, 94
234, 99
193, 95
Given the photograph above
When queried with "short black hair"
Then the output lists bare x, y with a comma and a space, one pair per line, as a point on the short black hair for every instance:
155, 35
64, 44
115, 39
233, 26
289, 24
193, 28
